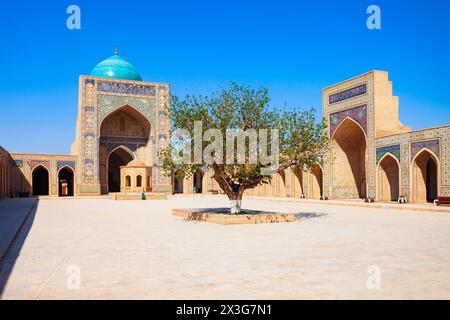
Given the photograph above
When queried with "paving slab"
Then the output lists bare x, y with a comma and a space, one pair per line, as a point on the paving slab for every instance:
13, 213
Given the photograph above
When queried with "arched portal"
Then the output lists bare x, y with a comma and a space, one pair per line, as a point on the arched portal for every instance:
178, 181
40, 181
128, 128
349, 164
118, 158
315, 182
388, 179
296, 182
425, 172
198, 181
280, 184
65, 182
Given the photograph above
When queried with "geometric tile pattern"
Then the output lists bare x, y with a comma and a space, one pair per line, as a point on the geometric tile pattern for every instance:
108, 103
394, 150
44, 163
432, 145
359, 114
347, 94
61, 164
120, 87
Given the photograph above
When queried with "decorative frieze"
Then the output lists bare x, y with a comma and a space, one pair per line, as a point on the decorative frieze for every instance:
61, 164
359, 114
44, 163
126, 88
432, 145
394, 150
347, 94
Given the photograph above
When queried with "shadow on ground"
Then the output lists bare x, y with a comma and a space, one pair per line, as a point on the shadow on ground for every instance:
309, 215
198, 213
8, 261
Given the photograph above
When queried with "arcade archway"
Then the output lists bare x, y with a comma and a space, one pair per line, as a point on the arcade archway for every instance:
65, 182
296, 182
280, 184
40, 181
198, 181
119, 157
178, 182
349, 163
425, 175
125, 128
315, 182
388, 179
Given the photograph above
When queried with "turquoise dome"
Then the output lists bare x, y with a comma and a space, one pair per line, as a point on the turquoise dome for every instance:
117, 68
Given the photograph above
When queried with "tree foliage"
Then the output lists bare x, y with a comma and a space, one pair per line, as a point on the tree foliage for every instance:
241, 108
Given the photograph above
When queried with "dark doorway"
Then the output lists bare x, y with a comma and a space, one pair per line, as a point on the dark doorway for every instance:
65, 182
118, 158
178, 181
431, 181
40, 181
198, 181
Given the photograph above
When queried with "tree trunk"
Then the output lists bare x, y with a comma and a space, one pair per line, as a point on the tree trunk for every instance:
236, 202
232, 190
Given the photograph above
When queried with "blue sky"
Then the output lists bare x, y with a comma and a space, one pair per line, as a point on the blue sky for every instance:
293, 48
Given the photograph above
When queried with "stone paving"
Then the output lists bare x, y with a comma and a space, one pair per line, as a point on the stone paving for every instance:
138, 250
12, 215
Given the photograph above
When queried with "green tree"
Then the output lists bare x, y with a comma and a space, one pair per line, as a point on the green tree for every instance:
240, 109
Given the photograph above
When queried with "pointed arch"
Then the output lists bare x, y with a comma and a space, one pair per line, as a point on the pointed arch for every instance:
425, 176
135, 110
119, 156
349, 166
178, 183
388, 178
40, 181
66, 181
350, 119
296, 182
128, 129
315, 185
124, 148
199, 181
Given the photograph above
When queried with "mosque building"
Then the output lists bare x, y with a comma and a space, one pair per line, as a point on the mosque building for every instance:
123, 121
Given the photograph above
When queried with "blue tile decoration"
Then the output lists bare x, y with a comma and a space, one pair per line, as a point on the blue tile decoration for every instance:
139, 140
432, 145
127, 88
61, 164
347, 94
111, 146
394, 150
359, 114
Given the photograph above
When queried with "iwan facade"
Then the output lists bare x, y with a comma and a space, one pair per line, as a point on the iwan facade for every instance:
123, 122
373, 155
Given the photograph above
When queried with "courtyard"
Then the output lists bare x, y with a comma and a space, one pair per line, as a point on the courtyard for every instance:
138, 250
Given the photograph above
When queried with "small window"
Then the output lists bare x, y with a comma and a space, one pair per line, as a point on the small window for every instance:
139, 181
148, 181
122, 124
128, 181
